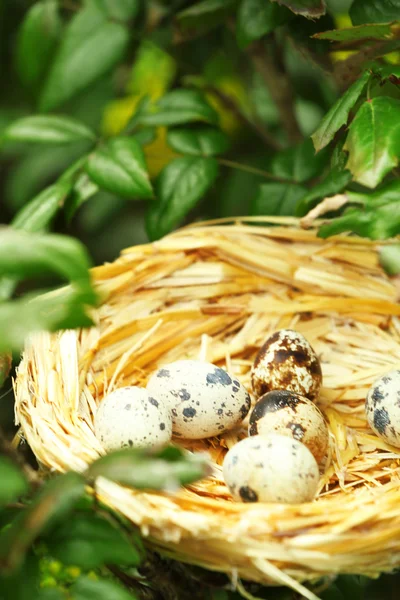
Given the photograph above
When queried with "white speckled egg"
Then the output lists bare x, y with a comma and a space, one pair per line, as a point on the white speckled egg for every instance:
288, 413
382, 407
130, 416
286, 361
271, 468
204, 399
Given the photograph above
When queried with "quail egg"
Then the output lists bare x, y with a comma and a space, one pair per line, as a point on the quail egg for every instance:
271, 468
130, 416
382, 407
286, 361
288, 413
204, 399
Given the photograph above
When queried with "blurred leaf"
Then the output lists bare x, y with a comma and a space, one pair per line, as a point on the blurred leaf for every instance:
299, 163
338, 113
179, 187
180, 106
51, 594
83, 189
91, 46
145, 136
120, 10
333, 183
37, 39
120, 167
22, 584
100, 589
374, 11
373, 141
88, 541
198, 142
167, 469
152, 72
361, 32
205, 15
390, 259
352, 586
53, 504
47, 130
13, 483
257, 18
308, 8
277, 199
375, 223
332, 593
5, 368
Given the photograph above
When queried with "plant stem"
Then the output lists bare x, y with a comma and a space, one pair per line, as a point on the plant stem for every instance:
248, 169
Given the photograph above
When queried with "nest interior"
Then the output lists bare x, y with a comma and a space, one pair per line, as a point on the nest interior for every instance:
215, 292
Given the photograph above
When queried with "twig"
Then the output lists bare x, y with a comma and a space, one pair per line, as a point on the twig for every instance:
346, 71
253, 170
279, 87
326, 205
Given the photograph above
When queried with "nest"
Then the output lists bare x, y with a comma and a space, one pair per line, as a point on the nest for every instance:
215, 291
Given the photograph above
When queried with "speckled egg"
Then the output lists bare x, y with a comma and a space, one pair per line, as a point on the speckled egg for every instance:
204, 399
382, 407
286, 361
130, 416
271, 468
288, 413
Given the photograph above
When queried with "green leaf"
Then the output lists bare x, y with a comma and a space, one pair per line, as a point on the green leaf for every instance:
88, 541
206, 141
13, 483
390, 72
389, 257
122, 10
83, 189
333, 183
53, 504
179, 187
257, 18
299, 163
205, 15
373, 141
100, 589
5, 368
277, 199
37, 39
374, 11
145, 136
23, 583
167, 469
361, 32
120, 167
375, 223
180, 106
90, 47
308, 8
338, 113
390, 192
50, 129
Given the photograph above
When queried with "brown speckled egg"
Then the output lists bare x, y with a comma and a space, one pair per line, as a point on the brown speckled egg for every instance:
290, 414
286, 361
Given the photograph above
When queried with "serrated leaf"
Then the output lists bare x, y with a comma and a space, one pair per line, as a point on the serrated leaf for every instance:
180, 106
101, 589
375, 223
277, 199
180, 186
120, 167
373, 142
167, 469
121, 10
388, 72
374, 11
333, 183
37, 39
54, 502
299, 163
360, 32
257, 18
308, 8
91, 46
205, 15
51, 129
13, 483
338, 114
205, 141
88, 541
389, 257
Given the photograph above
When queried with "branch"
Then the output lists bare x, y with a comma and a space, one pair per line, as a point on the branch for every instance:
249, 169
279, 87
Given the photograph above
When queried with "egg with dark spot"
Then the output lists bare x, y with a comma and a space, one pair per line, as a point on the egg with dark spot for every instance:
271, 468
382, 407
204, 399
287, 361
131, 417
288, 413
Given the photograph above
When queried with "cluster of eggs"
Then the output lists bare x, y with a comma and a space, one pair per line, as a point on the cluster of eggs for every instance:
191, 399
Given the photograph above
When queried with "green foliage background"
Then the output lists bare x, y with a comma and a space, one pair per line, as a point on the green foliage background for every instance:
121, 120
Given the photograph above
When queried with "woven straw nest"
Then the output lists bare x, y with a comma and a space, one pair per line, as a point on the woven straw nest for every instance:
215, 291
